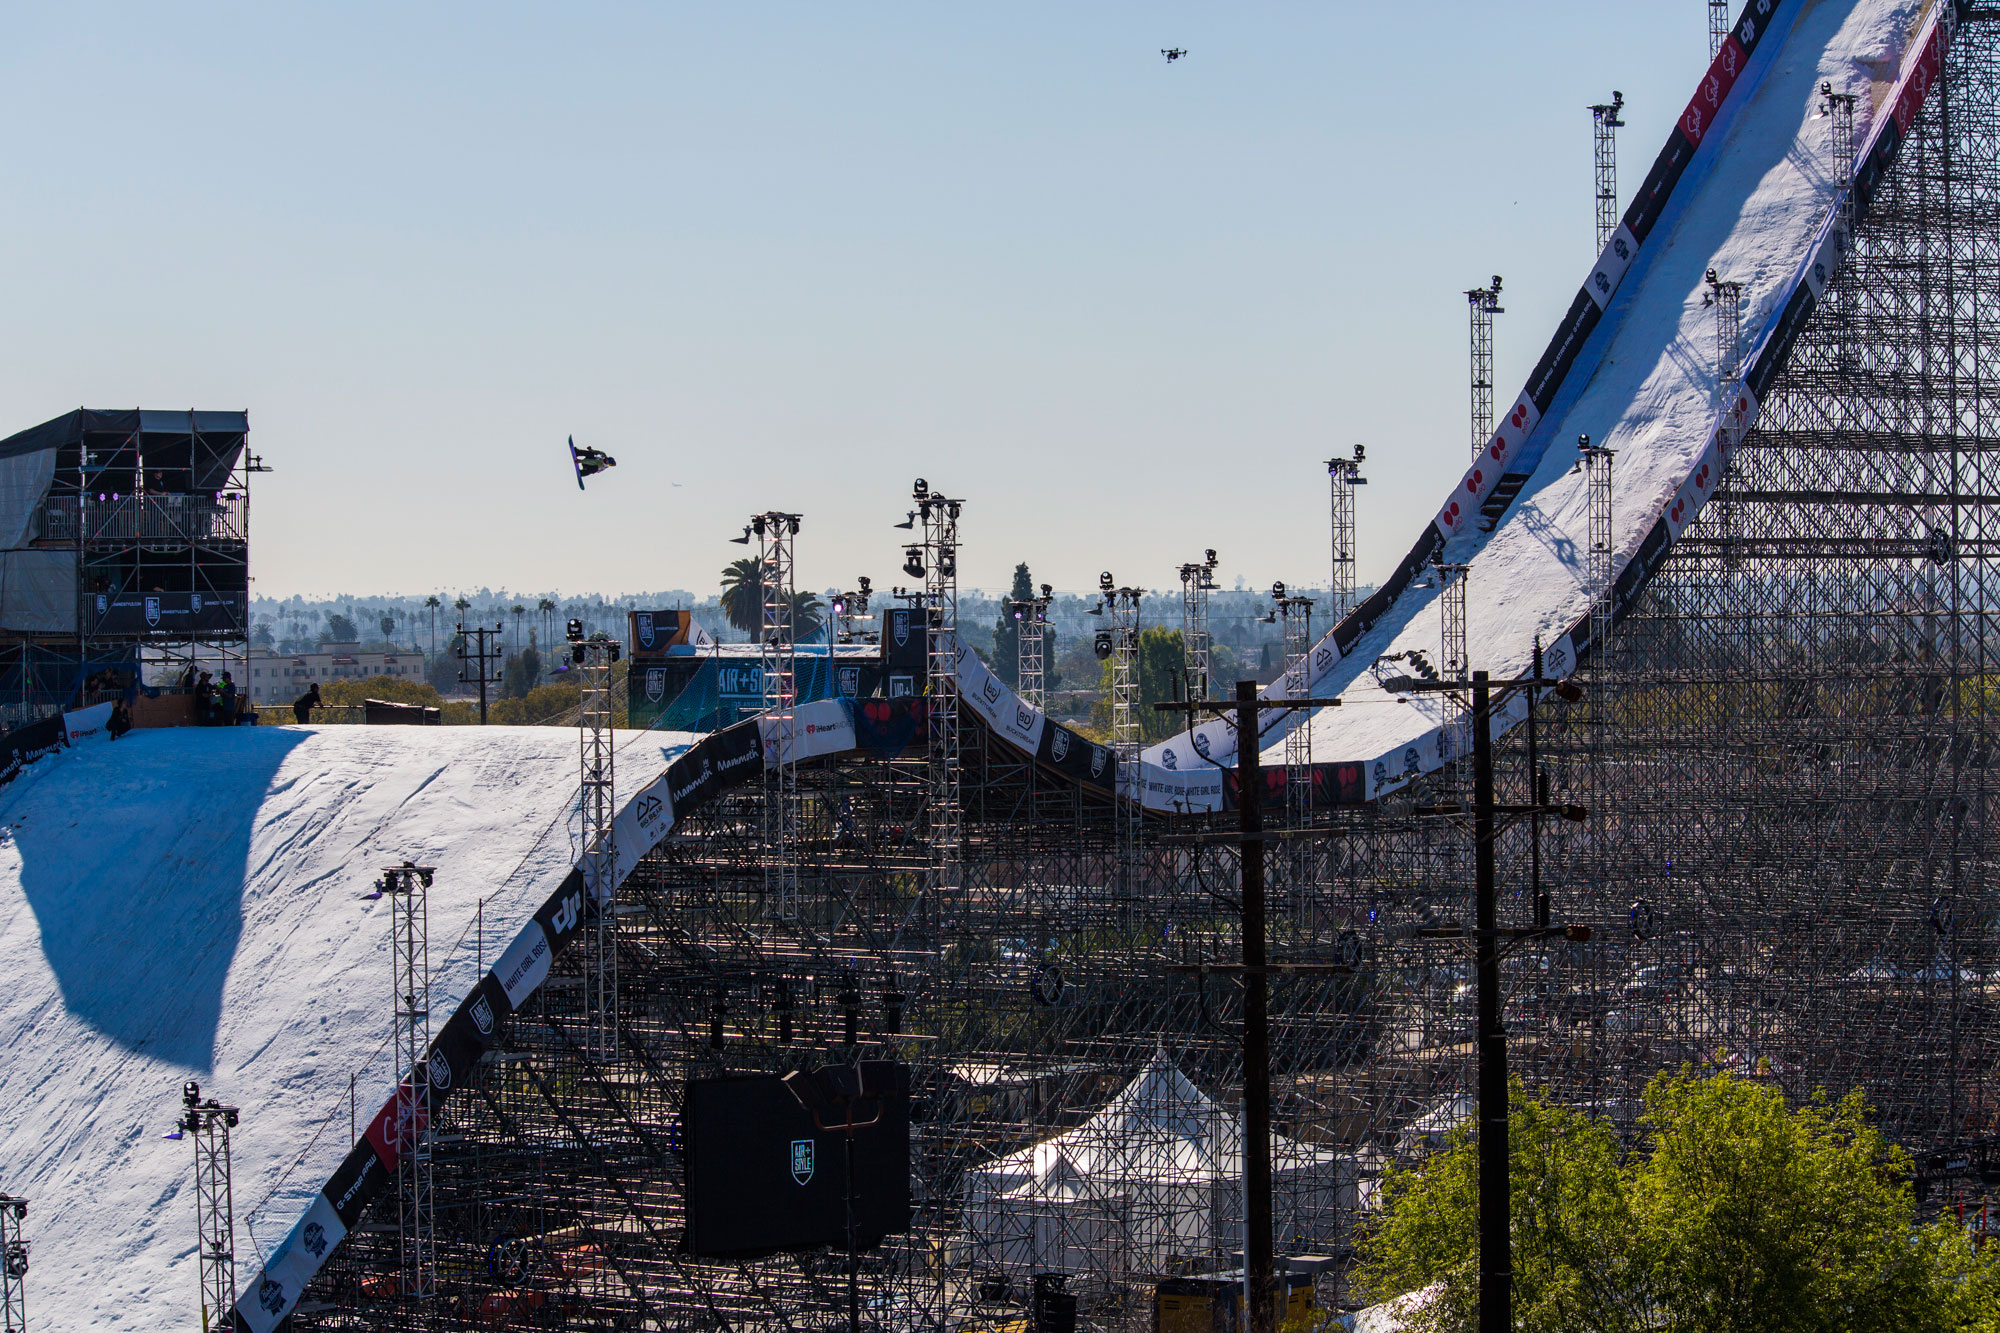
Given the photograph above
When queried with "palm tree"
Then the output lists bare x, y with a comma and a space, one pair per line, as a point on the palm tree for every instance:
743, 594
519, 611
432, 604
806, 608
548, 609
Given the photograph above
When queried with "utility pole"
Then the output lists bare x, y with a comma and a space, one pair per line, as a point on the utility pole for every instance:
13, 1265
1496, 1267
208, 1123
1259, 1269
490, 650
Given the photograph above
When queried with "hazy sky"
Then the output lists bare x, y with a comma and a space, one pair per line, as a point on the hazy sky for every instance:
790, 256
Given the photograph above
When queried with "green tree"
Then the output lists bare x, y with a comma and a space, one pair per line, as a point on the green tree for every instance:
339, 629
743, 594
520, 673
1736, 1212
1007, 629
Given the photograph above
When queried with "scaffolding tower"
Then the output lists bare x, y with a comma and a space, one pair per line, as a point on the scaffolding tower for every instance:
598, 805
1121, 606
1197, 582
407, 888
13, 1265
1726, 299
1605, 125
1483, 304
1718, 26
777, 537
1455, 739
1343, 475
208, 1123
1031, 615
939, 515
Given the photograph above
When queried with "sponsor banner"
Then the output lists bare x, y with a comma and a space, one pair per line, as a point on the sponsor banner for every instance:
166, 614
524, 965
653, 633
1479, 481
648, 816
1918, 77
1658, 187
1611, 265
713, 764
355, 1183
887, 727
290, 1266
395, 1127
1559, 658
1756, 21
905, 641
1827, 255
469, 1033
813, 731
990, 697
1076, 758
1181, 790
1767, 359
85, 722
1705, 107
1875, 164
1392, 770
562, 916
1562, 352
23, 746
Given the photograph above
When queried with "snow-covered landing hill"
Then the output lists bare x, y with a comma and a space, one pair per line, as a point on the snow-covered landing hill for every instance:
188, 904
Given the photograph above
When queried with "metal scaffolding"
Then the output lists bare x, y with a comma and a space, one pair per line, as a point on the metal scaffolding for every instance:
1121, 607
939, 517
1726, 299
1343, 475
597, 796
1718, 26
1483, 303
777, 537
1788, 854
13, 1265
406, 887
1605, 125
207, 1123
1197, 582
1030, 665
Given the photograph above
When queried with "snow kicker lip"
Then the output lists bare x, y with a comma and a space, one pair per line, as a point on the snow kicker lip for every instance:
726, 758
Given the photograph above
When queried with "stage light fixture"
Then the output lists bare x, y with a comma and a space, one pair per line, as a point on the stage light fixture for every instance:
913, 562
920, 489
1102, 644
947, 562
1105, 582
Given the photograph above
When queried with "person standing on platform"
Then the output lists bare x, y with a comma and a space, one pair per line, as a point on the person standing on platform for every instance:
303, 705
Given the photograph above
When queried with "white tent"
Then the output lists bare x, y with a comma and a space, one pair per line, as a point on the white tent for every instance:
1154, 1177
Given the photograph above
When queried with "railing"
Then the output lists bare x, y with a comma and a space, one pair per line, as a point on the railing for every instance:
175, 518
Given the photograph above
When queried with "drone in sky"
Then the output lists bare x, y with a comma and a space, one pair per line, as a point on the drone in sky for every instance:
588, 462
1173, 53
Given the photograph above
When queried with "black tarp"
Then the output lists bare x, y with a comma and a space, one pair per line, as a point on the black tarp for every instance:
193, 451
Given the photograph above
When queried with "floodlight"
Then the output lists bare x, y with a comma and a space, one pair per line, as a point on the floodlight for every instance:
1102, 644
909, 522
920, 488
1105, 582
840, 606
952, 508
191, 1093
863, 583
1568, 692
913, 562
793, 524
744, 540
1048, 591
1278, 590
1208, 556
947, 562
1582, 442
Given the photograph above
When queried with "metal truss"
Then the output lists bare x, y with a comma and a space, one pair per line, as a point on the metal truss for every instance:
1197, 582
1483, 303
1605, 124
777, 537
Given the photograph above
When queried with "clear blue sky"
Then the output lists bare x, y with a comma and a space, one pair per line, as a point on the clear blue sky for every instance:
792, 256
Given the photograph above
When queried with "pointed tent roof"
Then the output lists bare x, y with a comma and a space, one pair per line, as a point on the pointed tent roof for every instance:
1159, 1128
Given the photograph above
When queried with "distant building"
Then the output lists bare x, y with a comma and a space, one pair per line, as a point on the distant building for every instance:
281, 678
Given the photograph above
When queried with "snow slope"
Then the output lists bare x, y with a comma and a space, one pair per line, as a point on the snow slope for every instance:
188, 904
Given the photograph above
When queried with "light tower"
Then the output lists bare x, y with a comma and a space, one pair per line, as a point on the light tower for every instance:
1595, 460
1120, 643
938, 558
13, 1265
208, 1123
1718, 26
1031, 614
1344, 474
777, 538
1197, 582
1484, 304
592, 658
1605, 125
1295, 612
1456, 733
1727, 300
407, 887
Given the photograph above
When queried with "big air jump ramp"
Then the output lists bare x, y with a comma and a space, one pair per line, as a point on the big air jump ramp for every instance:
189, 905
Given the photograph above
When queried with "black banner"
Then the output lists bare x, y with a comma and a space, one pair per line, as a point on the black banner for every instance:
1563, 348
563, 915
653, 632
722, 760
24, 746
469, 1033
1074, 757
1778, 347
166, 614
355, 1183
905, 640
1658, 187
1868, 176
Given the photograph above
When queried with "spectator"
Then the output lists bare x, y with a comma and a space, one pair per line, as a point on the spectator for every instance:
225, 702
186, 681
303, 705
204, 698
121, 720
